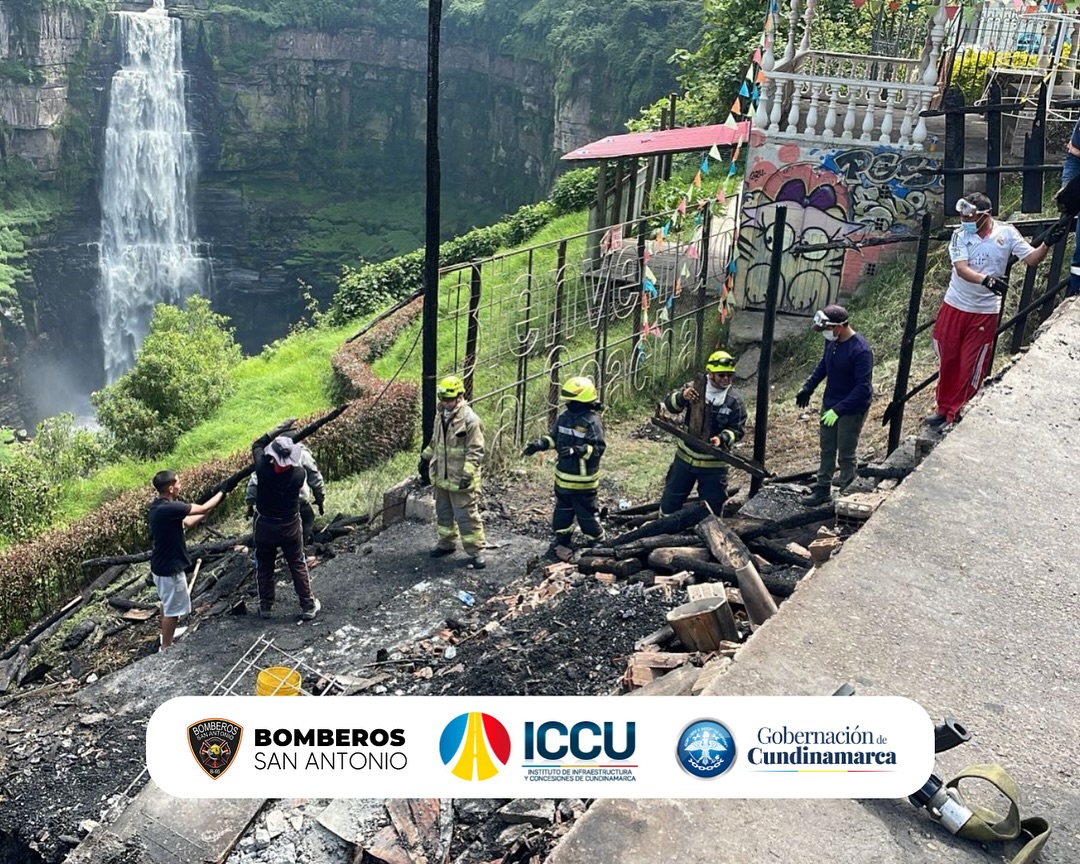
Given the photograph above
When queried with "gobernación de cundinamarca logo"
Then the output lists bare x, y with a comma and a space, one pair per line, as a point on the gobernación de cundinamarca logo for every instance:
706, 749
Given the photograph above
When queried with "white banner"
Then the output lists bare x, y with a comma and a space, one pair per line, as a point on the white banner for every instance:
538, 746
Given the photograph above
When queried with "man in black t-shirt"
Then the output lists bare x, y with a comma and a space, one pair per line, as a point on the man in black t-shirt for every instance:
169, 558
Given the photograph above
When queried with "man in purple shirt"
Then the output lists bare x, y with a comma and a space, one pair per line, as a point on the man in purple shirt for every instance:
847, 367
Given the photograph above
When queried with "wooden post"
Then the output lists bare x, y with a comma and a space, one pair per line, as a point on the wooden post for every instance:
728, 549
702, 625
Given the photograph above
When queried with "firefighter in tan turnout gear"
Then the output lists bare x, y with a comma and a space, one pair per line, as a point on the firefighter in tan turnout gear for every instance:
452, 462
578, 438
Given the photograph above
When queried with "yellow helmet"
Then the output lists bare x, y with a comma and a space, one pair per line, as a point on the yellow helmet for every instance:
450, 387
720, 361
580, 389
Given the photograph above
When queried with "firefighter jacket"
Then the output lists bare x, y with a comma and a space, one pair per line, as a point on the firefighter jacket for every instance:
726, 414
456, 450
578, 428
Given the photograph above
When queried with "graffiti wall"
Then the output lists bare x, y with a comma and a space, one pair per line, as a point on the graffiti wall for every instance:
849, 191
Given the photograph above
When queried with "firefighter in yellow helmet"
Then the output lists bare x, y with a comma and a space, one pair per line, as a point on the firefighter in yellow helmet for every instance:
725, 423
578, 438
452, 461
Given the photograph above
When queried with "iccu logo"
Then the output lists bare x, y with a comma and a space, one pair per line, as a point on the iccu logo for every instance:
469, 741
584, 741
706, 749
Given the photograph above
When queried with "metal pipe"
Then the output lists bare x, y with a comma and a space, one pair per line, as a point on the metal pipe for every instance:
431, 227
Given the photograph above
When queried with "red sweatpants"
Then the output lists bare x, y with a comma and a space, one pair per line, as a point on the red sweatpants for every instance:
962, 342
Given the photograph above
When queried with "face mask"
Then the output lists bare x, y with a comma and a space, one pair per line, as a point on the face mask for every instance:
447, 413
830, 335
970, 227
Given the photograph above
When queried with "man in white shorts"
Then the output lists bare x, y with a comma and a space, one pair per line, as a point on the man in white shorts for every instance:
169, 559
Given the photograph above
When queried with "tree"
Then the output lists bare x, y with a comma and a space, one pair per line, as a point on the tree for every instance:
180, 376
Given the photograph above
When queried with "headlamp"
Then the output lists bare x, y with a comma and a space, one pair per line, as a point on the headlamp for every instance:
821, 320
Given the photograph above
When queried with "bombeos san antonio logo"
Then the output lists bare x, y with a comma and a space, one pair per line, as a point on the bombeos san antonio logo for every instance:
469, 741
706, 749
214, 743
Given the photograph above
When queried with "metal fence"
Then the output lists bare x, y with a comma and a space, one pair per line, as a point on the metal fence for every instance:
630, 306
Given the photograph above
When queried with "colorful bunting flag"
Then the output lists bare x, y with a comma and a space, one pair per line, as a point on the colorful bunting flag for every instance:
704, 169
682, 206
714, 153
697, 179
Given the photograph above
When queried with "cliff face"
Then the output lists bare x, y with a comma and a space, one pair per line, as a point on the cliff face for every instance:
311, 154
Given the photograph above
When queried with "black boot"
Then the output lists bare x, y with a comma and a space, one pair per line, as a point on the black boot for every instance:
935, 421
818, 495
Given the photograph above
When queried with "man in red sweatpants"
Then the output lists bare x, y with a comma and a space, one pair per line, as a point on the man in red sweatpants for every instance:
964, 331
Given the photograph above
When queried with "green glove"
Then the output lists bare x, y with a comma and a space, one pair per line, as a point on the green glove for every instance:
829, 418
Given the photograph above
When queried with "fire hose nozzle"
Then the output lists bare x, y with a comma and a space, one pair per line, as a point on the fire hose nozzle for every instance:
943, 804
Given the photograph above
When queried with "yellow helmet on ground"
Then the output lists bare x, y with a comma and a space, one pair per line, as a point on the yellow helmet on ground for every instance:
720, 361
450, 387
580, 389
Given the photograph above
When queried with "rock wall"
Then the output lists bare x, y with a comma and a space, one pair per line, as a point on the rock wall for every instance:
311, 154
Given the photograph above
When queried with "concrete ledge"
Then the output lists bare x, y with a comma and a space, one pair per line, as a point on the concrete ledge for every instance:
960, 593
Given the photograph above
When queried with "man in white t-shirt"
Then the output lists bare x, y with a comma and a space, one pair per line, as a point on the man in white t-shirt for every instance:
964, 331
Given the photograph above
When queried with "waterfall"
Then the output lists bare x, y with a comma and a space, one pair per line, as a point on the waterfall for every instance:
147, 253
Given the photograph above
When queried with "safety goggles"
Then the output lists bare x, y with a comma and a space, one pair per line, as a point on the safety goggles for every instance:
822, 322
968, 210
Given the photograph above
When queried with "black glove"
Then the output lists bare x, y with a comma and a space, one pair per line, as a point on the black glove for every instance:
995, 285
250, 511
532, 447
575, 452
424, 470
465, 483
319, 505
727, 439
1057, 232
802, 398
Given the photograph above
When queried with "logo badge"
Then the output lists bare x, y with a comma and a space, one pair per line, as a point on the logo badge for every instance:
706, 749
214, 743
470, 741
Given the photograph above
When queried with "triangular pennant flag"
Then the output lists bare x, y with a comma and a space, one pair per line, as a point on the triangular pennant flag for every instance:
645, 306
755, 95
664, 317
735, 155
684, 270
732, 170
720, 196
704, 169
731, 266
697, 179
730, 122
650, 288
736, 106
692, 252
650, 247
757, 55
682, 206
650, 277
714, 153
761, 76
666, 228
677, 291
744, 90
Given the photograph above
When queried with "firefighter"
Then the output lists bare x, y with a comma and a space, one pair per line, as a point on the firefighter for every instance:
724, 424
452, 461
578, 439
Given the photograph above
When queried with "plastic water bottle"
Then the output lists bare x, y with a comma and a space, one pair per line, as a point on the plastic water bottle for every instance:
466, 598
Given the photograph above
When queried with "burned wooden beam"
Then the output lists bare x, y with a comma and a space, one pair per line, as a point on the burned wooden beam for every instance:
676, 523
622, 569
778, 553
754, 469
647, 544
729, 549
202, 551
797, 520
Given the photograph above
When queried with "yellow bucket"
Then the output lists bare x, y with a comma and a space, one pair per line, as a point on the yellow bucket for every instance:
278, 681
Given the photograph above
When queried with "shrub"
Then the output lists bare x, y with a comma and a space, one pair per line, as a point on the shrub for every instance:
180, 376
574, 190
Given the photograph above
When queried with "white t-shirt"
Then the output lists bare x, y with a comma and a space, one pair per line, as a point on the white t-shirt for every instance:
986, 255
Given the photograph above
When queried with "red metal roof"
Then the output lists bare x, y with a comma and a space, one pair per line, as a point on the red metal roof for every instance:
668, 141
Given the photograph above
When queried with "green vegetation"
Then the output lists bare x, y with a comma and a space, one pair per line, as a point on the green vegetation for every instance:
32, 475
181, 375
23, 212
288, 379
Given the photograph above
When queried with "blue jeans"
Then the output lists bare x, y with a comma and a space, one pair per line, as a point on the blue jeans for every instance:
1069, 170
